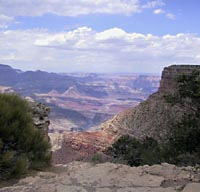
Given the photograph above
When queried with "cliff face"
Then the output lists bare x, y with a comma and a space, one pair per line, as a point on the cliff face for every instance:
169, 75
152, 118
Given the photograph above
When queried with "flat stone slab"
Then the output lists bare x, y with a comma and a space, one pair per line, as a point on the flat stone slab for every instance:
109, 177
192, 187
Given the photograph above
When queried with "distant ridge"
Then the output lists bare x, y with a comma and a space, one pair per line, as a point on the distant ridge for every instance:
4, 66
33, 81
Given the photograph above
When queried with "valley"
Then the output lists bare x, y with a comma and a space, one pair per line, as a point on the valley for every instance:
79, 101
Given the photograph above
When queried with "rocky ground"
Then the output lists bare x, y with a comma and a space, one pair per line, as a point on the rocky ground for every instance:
108, 177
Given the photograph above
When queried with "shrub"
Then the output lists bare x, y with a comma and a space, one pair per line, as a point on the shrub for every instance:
151, 152
21, 144
126, 149
20, 167
133, 152
97, 158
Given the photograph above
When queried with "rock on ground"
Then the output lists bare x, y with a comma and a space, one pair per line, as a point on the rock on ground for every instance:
108, 177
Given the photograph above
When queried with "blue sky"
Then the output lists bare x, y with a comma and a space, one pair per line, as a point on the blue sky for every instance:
99, 36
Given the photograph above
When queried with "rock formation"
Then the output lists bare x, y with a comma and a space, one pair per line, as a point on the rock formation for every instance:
169, 75
108, 177
80, 146
154, 116
40, 115
151, 118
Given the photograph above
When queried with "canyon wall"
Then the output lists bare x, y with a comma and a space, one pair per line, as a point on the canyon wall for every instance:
153, 118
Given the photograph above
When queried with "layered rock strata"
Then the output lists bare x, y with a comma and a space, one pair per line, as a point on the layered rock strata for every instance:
81, 146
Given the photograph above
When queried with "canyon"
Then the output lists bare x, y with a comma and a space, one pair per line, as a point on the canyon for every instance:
79, 101
152, 118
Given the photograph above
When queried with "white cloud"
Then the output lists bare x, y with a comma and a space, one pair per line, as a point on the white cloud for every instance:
158, 11
167, 14
153, 4
5, 21
74, 8
84, 49
170, 16
68, 7
198, 56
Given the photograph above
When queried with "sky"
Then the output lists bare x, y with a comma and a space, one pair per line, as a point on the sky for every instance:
101, 36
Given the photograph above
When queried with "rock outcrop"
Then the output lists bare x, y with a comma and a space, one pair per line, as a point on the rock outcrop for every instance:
169, 75
40, 115
80, 146
108, 177
152, 118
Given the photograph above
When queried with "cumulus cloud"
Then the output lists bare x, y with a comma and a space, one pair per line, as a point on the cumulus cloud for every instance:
74, 8
84, 49
167, 14
5, 21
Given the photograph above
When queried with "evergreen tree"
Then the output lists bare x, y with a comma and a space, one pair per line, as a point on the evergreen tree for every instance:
22, 146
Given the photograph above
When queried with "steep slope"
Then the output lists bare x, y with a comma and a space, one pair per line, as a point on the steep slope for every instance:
155, 116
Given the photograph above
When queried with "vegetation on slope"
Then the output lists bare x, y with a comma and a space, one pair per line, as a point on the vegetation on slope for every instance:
133, 152
22, 146
183, 145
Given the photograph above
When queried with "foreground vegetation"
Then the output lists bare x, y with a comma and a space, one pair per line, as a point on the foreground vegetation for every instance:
22, 146
183, 144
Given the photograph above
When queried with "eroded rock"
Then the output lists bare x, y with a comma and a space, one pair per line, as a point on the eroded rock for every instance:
108, 177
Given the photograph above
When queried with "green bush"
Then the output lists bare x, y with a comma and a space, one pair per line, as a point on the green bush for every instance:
183, 144
189, 86
133, 152
21, 144
151, 152
97, 158
20, 167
